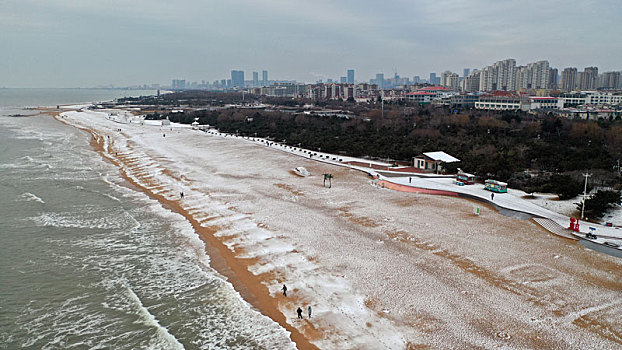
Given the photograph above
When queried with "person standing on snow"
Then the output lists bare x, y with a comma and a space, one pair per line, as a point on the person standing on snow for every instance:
284, 290
309, 308
299, 311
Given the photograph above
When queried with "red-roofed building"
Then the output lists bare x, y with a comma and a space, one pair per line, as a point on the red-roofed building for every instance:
433, 88
421, 96
438, 91
537, 102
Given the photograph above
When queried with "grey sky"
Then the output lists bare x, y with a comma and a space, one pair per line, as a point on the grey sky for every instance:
68, 43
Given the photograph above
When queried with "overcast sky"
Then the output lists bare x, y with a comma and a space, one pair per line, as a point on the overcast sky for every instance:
80, 43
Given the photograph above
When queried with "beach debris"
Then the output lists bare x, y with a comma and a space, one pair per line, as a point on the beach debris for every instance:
476, 210
301, 171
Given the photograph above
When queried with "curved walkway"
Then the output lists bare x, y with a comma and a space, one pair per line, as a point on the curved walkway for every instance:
412, 189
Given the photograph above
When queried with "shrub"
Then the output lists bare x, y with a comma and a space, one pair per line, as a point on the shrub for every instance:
565, 186
597, 204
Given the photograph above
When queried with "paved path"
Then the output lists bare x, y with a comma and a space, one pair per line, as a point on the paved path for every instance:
511, 201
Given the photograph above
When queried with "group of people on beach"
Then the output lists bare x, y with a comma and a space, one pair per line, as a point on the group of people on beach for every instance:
299, 310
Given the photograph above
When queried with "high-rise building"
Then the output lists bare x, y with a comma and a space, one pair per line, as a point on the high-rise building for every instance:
450, 80
453, 82
237, 78
539, 74
465, 72
264, 76
416, 79
506, 79
532, 76
342, 80
553, 73
610, 80
500, 76
588, 79
444, 77
569, 79
471, 82
350, 76
255, 79
380, 80
433, 79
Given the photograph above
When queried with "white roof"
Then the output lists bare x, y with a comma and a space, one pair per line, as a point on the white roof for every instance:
466, 174
441, 156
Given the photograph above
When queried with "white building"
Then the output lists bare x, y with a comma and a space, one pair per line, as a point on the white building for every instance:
591, 98
499, 103
536, 102
598, 98
421, 96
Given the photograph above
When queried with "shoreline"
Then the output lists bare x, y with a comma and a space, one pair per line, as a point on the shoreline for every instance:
222, 259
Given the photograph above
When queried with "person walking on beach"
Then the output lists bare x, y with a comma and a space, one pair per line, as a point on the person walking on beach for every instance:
309, 308
299, 311
284, 290
492, 196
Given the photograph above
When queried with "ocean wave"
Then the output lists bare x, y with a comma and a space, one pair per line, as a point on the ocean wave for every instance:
12, 166
26, 162
31, 197
165, 339
27, 158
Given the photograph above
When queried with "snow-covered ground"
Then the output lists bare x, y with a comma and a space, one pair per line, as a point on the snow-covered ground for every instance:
382, 269
513, 199
568, 207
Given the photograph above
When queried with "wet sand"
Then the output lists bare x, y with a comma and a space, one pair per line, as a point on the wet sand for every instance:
222, 259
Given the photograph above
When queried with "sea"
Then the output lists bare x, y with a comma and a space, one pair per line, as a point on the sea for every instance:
88, 262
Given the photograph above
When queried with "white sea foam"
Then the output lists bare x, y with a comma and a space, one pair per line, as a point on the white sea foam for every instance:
27, 158
70, 220
12, 166
31, 197
165, 338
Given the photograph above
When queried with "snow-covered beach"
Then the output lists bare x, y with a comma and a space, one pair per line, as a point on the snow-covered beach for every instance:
381, 269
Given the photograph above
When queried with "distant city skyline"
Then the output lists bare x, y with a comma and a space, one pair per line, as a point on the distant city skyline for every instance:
73, 43
505, 75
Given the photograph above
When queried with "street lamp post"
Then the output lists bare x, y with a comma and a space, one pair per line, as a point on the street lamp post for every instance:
584, 194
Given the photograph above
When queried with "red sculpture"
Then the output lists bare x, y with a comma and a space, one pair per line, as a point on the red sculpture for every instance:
574, 224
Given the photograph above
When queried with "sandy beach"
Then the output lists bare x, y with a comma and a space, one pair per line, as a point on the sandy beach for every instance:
381, 269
